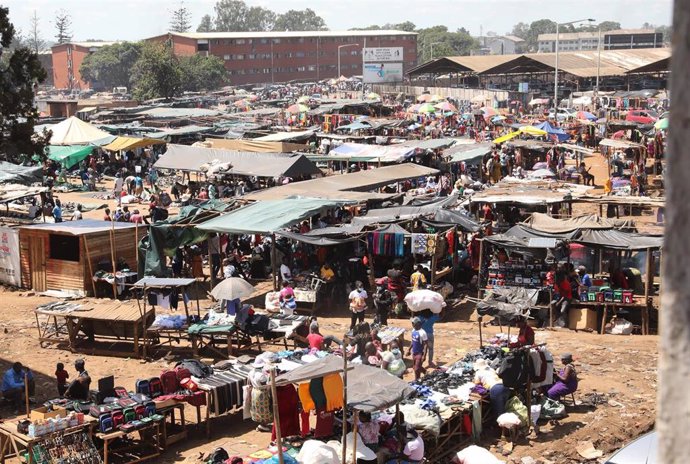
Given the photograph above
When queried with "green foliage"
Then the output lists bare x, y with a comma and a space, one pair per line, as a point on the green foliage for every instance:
445, 43
407, 26
206, 24
202, 72
63, 27
181, 19
20, 70
111, 65
299, 20
156, 74
541, 26
237, 16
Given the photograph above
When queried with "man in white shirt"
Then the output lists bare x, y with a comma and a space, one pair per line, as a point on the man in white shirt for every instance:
285, 272
117, 188
358, 304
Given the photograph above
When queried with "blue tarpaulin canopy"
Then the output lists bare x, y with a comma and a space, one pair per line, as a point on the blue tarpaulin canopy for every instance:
269, 216
560, 133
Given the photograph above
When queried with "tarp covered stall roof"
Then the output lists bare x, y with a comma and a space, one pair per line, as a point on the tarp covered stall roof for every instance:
185, 130
130, 143
163, 282
17, 174
546, 223
369, 388
268, 216
69, 156
553, 131
351, 186
314, 240
577, 148
286, 136
467, 153
83, 227
617, 240
385, 154
255, 145
530, 144
431, 144
74, 131
11, 192
173, 113
508, 304
622, 144
186, 158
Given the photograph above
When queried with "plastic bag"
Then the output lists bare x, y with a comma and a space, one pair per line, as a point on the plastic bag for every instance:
419, 300
515, 406
551, 409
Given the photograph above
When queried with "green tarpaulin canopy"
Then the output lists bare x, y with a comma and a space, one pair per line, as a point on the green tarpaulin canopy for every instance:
69, 155
269, 216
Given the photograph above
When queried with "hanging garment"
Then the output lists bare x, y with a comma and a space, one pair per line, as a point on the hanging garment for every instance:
317, 393
288, 412
333, 388
476, 421
305, 397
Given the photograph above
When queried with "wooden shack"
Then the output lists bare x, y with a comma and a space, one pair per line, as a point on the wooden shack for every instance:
65, 256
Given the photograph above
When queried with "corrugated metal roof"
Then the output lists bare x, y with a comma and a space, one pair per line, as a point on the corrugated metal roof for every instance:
288, 34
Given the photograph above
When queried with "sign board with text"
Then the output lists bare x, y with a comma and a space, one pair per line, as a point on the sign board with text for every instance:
10, 272
378, 73
383, 54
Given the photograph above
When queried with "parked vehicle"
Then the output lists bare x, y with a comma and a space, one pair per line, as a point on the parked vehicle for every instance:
642, 116
563, 114
640, 451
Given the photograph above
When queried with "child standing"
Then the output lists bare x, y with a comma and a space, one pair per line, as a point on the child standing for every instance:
61, 375
418, 347
369, 431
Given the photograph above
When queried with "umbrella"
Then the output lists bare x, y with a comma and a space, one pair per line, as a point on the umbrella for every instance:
661, 124
498, 118
618, 135
426, 108
488, 111
436, 98
542, 173
303, 99
373, 96
585, 115
297, 108
414, 108
424, 98
531, 130
505, 138
232, 288
446, 107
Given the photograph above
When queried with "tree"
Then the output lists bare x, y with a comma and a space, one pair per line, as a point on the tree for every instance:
259, 19
20, 72
541, 26
206, 24
63, 27
231, 15
110, 66
407, 26
444, 42
181, 19
202, 72
156, 74
300, 20
520, 30
36, 43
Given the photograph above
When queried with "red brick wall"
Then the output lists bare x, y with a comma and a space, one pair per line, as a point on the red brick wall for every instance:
64, 56
181, 45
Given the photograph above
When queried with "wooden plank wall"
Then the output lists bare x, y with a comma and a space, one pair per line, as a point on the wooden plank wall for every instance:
99, 250
24, 259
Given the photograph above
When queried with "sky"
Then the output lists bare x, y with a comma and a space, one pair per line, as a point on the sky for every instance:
138, 19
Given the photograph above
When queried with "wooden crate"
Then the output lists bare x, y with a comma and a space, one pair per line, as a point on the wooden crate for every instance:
582, 318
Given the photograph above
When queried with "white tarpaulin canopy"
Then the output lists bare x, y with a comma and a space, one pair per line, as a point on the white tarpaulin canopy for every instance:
74, 131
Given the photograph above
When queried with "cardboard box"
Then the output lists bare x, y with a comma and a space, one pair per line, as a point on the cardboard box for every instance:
582, 318
42, 413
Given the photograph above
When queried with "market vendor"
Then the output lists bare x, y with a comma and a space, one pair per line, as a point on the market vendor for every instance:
525, 335
585, 278
392, 360
13, 388
382, 302
560, 304
413, 452
485, 376
567, 379
358, 304
79, 388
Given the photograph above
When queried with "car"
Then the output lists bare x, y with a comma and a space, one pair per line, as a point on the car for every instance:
639, 451
642, 116
563, 114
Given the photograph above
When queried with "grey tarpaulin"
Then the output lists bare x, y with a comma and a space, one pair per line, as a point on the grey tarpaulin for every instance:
617, 240
16, 174
508, 303
315, 240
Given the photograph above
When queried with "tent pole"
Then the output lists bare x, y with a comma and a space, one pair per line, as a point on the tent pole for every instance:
276, 416
210, 264
88, 261
479, 271
355, 418
649, 278
343, 444
274, 265
112, 257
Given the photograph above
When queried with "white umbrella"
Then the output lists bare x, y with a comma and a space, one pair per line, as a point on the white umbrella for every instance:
232, 288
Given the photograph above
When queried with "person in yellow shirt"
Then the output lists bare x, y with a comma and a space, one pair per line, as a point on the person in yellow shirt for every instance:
608, 186
418, 279
328, 276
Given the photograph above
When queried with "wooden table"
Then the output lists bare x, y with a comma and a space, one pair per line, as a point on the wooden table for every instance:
639, 303
108, 451
12, 443
175, 429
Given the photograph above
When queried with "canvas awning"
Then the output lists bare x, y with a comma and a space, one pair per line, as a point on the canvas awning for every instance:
130, 143
265, 217
467, 153
186, 158
546, 223
385, 154
74, 131
351, 186
622, 144
286, 136
70, 155
17, 174
617, 240
255, 145
431, 144
369, 388
83, 227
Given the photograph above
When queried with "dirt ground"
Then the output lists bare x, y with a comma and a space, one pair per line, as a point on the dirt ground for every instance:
621, 368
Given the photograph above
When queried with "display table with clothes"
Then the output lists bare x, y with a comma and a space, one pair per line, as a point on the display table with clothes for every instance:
241, 332
121, 279
306, 296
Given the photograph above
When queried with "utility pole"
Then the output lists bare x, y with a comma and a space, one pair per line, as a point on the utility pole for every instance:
673, 412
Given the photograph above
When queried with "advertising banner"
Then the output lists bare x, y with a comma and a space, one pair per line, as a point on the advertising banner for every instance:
378, 73
9, 256
383, 54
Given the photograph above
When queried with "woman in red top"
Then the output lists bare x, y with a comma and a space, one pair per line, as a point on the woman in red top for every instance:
561, 300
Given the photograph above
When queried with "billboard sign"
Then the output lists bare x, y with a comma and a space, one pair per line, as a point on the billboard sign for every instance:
378, 73
383, 54
9, 256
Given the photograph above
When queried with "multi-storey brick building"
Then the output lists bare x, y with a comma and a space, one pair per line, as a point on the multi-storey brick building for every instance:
67, 59
266, 57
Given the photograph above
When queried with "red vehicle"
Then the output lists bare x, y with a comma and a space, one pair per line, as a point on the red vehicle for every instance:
642, 116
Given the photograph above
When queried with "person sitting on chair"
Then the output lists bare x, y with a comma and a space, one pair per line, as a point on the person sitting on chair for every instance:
567, 379
13, 387
79, 388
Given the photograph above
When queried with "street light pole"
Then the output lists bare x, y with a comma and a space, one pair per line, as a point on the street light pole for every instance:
598, 59
343, 46
555, 74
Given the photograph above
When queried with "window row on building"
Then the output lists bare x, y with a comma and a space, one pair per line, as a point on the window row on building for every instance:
300, 40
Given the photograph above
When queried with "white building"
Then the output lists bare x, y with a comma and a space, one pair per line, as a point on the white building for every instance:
610, 40
499, 45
